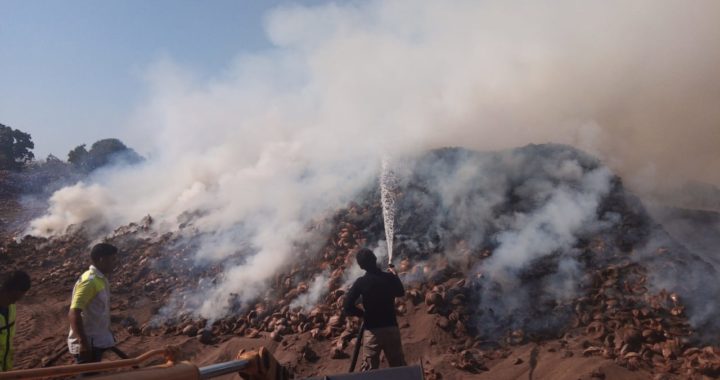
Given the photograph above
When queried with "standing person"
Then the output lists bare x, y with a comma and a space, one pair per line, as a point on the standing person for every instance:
378, 290
13, 288
89, 314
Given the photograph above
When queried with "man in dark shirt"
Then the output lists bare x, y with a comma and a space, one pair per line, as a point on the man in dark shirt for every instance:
378, 290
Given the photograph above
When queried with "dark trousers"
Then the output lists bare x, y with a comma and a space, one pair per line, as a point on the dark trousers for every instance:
95, 357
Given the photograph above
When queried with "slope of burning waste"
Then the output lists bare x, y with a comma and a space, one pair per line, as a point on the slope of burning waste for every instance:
533, 245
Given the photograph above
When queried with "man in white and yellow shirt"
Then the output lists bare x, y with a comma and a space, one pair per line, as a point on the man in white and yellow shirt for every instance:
89, 314
14, 286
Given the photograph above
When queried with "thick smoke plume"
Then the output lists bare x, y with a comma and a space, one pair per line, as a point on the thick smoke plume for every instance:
247, 158
511, 221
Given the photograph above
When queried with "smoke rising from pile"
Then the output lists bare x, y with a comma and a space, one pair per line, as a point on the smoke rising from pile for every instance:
251, 155
523, 210
316, 289
554, 226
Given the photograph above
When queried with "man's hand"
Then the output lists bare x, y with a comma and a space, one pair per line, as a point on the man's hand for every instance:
391, 269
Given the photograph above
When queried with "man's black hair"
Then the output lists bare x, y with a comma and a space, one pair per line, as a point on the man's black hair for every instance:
366, 259
16, 281
102, 250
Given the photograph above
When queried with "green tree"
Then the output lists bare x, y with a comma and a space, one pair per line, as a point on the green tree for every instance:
15, 148
78, 156
102, 153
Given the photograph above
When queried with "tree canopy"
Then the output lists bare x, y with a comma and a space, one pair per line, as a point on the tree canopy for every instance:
15, 148
102, 153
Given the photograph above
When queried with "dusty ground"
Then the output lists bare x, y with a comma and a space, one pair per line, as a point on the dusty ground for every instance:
42, 328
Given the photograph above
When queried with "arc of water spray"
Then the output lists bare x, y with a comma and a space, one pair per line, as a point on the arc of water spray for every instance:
388, 186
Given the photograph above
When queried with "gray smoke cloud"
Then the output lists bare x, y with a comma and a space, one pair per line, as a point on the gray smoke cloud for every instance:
252, 154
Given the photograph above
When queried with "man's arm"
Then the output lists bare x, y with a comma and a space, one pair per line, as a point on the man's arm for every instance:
76, 323
350, 300
83, 293
398, 290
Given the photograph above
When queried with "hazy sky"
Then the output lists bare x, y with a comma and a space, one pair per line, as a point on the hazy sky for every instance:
72, 71
637, 85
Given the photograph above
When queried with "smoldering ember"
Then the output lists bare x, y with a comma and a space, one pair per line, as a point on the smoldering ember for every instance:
535, 260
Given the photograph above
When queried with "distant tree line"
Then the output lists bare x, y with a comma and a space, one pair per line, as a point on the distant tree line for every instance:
16, 153
15, 148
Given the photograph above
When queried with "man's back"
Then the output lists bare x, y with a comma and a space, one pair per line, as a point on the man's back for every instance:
378, 290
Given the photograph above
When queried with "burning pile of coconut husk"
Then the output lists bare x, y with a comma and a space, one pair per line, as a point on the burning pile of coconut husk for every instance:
623, 320
616, 310
618, 316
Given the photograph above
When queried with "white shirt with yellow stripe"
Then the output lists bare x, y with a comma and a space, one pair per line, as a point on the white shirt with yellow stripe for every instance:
91, 294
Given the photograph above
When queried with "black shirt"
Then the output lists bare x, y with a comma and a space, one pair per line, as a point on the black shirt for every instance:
378, 290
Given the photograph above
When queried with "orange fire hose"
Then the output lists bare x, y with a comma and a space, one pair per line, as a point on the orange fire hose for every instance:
167, 352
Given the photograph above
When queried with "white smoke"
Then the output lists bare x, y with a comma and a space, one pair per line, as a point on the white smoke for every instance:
318, 287
73, 205
554, 226
284, 134
566, 211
